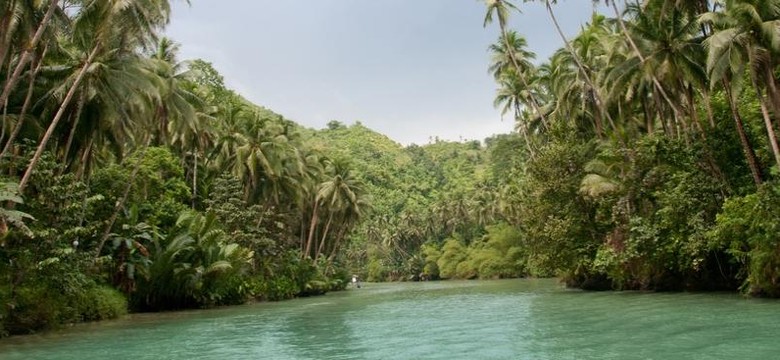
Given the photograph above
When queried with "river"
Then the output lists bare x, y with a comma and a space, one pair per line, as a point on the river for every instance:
509, 319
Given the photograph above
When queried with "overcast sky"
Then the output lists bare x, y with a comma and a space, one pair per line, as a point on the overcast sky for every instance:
411, 69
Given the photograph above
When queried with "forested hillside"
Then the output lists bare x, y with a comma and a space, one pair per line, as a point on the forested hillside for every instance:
419, 194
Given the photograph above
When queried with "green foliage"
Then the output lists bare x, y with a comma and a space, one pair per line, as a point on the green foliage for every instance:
151, 176
431, 254
748, 227
453, 252
159, 191
643, 164
500, 253
194, 266
40, 307
376, 270
9, 194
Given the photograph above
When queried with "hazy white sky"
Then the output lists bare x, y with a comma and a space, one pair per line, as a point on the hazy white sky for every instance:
411, 69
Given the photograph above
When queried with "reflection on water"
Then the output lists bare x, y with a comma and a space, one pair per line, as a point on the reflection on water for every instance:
513, 319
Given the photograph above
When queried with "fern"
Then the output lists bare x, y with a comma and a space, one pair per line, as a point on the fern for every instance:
9, 192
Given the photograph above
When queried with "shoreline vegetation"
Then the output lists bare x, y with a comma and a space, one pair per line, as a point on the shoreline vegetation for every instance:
645, 158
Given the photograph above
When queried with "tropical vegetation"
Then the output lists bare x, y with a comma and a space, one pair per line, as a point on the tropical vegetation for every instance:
645, 157
131, 180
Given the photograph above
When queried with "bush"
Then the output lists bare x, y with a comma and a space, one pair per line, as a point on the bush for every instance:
41, 308
452, 254
748, 227
377, 271
101, 303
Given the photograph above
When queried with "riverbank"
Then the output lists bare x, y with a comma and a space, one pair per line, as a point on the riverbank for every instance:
31, 310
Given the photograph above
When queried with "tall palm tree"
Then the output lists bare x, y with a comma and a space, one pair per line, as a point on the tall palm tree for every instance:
515, 91
342, 195
21, 117
572, 103
99, 27
500, 10
512, 96
745, 36
176, 112
29, 48
586, 72
639, 53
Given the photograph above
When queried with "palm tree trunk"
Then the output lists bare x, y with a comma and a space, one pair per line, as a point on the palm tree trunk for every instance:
5, 116
324, 236
27, 53
768, 124
649, 119
708, 106
27, 101
303, 232
667, 125
524, 132
599, 100
312, 226
195, 180
84, 160
121, 203
691, 97
57, 117
5, 45
764, 112
772, 92
747, 149
72, 134
337, 243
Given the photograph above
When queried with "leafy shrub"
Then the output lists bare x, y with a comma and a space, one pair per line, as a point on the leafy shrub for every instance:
749, 227
38, 308
101, 303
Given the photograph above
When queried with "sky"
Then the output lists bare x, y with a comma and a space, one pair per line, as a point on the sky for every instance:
413, 70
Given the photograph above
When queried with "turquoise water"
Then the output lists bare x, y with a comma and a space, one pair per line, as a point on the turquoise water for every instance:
511, 319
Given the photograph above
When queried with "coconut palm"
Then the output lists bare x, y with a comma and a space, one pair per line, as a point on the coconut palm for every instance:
585, 70
745, 37
176, 112
343, 198
515, 91
499, 9
100, 27
15, 7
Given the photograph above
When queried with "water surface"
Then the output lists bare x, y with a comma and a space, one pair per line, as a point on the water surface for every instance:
511, 319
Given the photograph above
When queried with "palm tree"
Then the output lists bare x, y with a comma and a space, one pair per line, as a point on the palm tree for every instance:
101, 26
35, 68
176, 113
669, 45
515, 91
343, 196
260, 159
745, 36
586, 72
562, 80
512, 95
500, 10
28, 48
